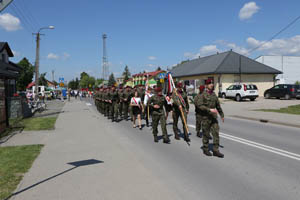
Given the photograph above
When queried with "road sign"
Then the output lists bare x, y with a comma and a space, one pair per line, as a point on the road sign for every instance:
4, 4
61, 85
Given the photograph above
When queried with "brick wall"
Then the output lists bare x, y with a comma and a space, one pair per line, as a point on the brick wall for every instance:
2, 106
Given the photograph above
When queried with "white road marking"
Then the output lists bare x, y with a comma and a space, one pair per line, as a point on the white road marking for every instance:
259, 146
88, 104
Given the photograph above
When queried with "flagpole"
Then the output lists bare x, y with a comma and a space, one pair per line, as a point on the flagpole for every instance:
182, 114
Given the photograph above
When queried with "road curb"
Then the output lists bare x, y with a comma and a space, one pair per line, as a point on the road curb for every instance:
266, 121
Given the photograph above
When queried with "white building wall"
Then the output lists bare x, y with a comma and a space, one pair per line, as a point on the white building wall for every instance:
289, 65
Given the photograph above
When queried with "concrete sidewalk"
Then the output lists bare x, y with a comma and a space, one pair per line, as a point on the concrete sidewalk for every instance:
99, 167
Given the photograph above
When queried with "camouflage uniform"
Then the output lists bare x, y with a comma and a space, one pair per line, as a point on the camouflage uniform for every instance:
126, 100
204, 103
177, 113
114, 100
120, 104
158, 114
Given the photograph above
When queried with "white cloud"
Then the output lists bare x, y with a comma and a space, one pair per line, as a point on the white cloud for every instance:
9, 22
248, 10
150, 65
283, 46
16, 53
52, 56
204, 51
152, 58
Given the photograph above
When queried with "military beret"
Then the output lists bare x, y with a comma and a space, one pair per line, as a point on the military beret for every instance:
179, 85
209, 81
201, 88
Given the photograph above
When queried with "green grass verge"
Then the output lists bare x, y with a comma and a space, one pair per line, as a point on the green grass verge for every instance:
39, 123
295, 110
14, 163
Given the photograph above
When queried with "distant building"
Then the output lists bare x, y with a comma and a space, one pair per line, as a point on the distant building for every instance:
120, 80
289, 65
225, 69
153, 77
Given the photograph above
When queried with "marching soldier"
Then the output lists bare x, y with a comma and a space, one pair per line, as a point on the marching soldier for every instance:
114, 100
106, 102
198, 112
180, 104
120, 105
157, 103
126, 100
209, 104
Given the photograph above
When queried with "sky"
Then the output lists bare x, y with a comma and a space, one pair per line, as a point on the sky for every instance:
144, 34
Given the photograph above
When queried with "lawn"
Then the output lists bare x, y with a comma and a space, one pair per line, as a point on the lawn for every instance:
14, 163
39, 123
295, 110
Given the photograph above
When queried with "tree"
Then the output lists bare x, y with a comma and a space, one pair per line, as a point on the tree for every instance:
99, 81
76, 83
72, 85
26, 74
43, 80
83, 74
158, 69
126, 74
111, 80
297, 83
84, 82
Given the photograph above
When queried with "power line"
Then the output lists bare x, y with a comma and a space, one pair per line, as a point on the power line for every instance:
24, 7
21, 16
274, 36
27, 28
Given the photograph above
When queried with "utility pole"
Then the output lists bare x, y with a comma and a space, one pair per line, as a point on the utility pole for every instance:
37, 65
37, 59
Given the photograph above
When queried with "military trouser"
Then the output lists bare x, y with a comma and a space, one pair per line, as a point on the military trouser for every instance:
155, 120
176, 114
125, 109
101, 107
146, 114
115, 107
107, 109
120, 109
198, 122
210, 125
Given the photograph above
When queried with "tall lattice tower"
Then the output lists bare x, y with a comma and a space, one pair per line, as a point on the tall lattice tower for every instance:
105, 69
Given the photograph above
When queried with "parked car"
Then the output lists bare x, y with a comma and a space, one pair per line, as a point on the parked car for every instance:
286, 91
241, 91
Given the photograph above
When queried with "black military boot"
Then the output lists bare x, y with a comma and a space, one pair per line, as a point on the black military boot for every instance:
155, 138
186, 138
199, 134
176, 136
207, 153
166, 140
218, 154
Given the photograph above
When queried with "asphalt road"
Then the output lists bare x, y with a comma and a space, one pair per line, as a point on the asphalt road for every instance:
262, 161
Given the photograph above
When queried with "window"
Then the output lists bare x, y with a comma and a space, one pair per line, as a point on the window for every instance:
276, 87
230, 87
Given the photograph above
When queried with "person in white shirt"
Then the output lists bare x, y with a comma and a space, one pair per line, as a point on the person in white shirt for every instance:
148, 95
137, 108
169, 105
